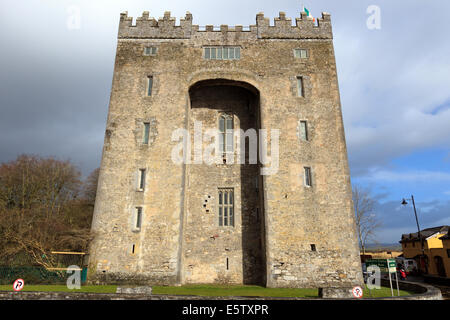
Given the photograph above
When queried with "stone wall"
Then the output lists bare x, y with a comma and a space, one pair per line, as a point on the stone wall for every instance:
174, 243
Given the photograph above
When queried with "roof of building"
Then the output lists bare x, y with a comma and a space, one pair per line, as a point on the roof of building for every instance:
425, 233
446, 237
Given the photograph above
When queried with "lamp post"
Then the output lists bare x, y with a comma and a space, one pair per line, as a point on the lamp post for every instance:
404, 202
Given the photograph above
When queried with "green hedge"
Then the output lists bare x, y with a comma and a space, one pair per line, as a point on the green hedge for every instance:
31, 275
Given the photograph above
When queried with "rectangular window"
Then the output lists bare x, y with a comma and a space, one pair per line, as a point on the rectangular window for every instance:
300, 92
226, 207
226, 141
149, 85
149, 51
146, 132
308, 181
222, 53
141, 179
301, 53
303, 131
138, 217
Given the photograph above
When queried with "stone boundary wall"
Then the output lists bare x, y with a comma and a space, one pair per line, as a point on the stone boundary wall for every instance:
424, 292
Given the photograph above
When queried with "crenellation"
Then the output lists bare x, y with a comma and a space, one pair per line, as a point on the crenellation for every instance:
166, 28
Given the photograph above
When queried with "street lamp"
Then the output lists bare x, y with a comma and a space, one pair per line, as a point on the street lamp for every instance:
404, 202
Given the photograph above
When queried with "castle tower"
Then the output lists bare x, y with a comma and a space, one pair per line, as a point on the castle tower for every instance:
167, 217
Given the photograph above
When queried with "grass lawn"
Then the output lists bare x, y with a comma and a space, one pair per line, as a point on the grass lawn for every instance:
211, 290
61, 288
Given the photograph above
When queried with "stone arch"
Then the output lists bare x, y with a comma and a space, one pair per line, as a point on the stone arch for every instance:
237, 254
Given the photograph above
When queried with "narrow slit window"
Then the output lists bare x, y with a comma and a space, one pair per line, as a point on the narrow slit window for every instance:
303, 131
308, 181
300, 91
146, 132
141, 179
138, 217
226, 207
133, 248
226, 126
149, 85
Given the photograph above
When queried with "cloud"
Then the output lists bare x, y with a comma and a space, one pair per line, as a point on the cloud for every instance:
411, 176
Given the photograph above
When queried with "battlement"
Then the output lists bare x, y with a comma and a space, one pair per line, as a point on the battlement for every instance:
166, 28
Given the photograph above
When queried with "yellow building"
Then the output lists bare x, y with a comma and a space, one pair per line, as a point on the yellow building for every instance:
436, 246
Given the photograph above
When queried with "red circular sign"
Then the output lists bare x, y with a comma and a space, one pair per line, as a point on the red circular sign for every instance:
357, 292
18, 284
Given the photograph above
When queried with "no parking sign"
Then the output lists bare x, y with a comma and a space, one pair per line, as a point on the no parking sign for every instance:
18, 284
357, 292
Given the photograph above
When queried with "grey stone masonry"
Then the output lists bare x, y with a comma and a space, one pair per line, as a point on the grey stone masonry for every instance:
171, 228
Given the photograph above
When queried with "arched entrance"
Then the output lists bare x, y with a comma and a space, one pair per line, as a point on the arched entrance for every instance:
224, 215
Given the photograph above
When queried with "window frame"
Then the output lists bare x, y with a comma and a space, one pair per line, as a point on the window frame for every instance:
221, 206
139, 211
153, 50
306, 136
300, 86
223, 141
307, 173
300, 50
149, 86
146, 135
222, 53
141, 179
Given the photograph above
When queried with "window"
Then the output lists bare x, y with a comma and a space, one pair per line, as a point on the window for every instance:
448, 253
141, 179
146, 132
308, 181
138, 217
226, 207
222, 53
149, 85
301, 53
149, 51
303, 131
226, 134
313, 247
300, 91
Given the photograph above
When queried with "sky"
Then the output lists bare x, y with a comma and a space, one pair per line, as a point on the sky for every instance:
57, 59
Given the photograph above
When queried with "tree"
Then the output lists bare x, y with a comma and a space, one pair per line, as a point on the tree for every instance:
90, 186
41, 210
366, 219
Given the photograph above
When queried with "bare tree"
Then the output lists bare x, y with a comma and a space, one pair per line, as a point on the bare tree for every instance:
40, 210
366, 219
90, 186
